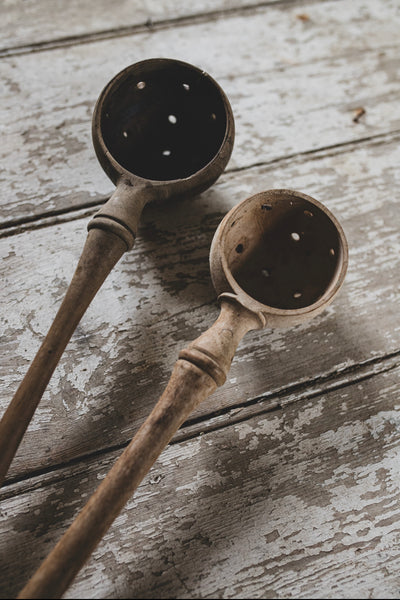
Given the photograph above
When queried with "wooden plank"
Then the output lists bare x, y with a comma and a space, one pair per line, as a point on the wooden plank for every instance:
160, 297
46, 22
302, 502
286, 99
286, 482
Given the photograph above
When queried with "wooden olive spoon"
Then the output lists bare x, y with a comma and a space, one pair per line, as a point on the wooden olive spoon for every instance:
277, 259
161, 129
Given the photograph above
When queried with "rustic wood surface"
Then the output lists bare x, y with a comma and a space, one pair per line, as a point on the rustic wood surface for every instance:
286, 482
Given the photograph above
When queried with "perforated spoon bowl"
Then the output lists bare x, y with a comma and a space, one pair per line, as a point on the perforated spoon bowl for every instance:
162, 129
277, 259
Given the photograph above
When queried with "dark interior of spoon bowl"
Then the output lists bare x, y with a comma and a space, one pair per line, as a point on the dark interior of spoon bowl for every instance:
284, 252
163, 121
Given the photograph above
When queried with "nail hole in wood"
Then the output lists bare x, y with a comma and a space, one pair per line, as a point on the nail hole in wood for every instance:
239, 248
266, 207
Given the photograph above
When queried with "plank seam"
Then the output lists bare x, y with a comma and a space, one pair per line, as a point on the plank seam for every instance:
316, 154
49, 219
305, 385
387, 361
148, 26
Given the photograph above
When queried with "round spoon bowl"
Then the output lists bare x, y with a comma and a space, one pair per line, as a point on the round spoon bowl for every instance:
282, 253
165, 122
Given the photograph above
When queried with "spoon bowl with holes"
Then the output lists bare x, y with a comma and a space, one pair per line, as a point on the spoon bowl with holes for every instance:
161, 129
277, 259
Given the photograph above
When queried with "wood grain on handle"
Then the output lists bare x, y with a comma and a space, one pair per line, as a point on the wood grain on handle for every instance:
88, 277
112, 231
197, 373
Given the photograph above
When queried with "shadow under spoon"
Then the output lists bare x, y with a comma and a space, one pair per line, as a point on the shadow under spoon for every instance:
277, 259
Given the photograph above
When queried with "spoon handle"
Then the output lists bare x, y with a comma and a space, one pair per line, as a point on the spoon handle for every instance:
88, 277
112, 231
193, 379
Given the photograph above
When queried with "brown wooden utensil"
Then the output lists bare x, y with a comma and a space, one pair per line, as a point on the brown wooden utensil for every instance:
277, 259
161, 129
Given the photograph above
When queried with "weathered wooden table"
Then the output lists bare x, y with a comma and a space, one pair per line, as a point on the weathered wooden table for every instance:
286, 483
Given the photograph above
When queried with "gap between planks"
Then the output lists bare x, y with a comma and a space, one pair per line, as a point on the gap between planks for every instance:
151, 26
276, 401
75, 213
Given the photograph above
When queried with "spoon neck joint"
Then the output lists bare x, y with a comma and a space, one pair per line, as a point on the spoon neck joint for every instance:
214, 350
121, 213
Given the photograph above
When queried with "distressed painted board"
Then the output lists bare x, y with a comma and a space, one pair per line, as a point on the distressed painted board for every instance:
160, 297
287, 99
286, 482
295, 503
45, 22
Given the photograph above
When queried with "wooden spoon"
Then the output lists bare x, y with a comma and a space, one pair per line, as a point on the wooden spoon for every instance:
161, 129
277, 259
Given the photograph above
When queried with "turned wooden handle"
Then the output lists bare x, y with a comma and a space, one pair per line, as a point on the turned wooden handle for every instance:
187, 387
112, 231
203, 366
